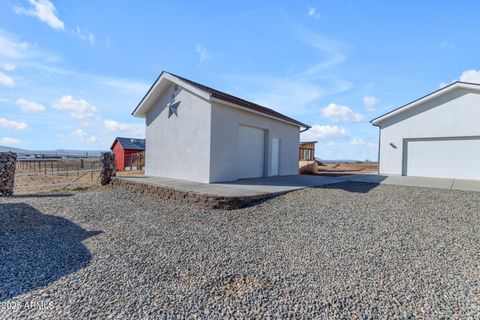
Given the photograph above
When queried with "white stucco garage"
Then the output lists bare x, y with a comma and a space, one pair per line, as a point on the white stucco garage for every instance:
197, 133
437, 135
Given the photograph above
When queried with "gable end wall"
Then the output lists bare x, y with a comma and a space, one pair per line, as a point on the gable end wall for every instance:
455, 114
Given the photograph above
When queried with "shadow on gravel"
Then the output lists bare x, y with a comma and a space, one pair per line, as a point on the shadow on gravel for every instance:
351, 186
37, 249
43, 195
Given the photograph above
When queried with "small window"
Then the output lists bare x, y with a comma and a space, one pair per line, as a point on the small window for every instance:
307, 154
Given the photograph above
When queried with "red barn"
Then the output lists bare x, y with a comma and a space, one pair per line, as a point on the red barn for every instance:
126, 151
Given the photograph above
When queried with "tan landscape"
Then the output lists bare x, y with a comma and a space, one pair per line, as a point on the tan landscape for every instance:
342, 169
40, 176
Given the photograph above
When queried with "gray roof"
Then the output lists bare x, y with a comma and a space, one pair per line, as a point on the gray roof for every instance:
131, 143
228, 98
414, 103
307, 142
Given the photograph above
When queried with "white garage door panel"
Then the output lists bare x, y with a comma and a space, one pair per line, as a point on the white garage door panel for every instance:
449, 158
251, 151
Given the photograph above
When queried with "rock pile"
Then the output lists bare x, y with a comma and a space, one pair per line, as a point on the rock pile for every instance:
7, 172
108, 167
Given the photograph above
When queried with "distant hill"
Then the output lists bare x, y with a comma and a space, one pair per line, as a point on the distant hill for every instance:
16, 150
64, 153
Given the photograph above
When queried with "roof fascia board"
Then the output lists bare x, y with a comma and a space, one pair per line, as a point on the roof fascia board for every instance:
201, 93
145, 105
113, 144
456, 85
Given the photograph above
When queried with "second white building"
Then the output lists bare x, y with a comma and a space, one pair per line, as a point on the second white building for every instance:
435, 136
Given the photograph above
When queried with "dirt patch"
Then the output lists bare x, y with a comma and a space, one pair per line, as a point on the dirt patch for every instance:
238, 286
30, 184
31, 179
343, 169
130, 173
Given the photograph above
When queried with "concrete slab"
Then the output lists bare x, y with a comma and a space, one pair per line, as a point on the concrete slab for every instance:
240, 188
259, 188
466, 185
419, 182
282, 183
405, 181
438, 183
228, 195
370, 178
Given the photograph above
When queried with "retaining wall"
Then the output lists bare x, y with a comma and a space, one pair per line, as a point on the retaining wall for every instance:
201, 199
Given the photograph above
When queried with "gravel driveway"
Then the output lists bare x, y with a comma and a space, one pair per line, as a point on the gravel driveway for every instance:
351, 250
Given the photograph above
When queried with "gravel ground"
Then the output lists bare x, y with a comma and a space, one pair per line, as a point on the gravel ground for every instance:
352, 250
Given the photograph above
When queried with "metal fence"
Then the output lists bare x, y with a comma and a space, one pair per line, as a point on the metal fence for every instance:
34, 175
134, 161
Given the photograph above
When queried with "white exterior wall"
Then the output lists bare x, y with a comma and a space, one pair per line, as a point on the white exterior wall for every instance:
224, 133
179, 147
454, 114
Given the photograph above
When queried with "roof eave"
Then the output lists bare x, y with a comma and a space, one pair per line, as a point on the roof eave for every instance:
142, 108
228, 103
455, 85
113, 144
134, 112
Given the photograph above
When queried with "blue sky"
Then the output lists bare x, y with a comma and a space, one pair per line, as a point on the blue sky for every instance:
71, 72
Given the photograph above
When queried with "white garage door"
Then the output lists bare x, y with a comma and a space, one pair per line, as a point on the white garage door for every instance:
251, 152
444, 158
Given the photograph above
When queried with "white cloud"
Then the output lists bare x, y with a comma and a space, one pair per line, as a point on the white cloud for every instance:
136, 87
6, 80
358, 141
13, 125
338, 113
84, 137
370, 103
203, 54
43, 10
297, 93
33, 57
370, 145
77, 108
21, 52
470, 76
319, 132
84, 35
30, 106
332, 49
312, 12
112, 126
8, 66
11, 48
284, 94
6, 141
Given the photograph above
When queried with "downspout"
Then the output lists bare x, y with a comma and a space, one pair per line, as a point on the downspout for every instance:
306, 128
379, 143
